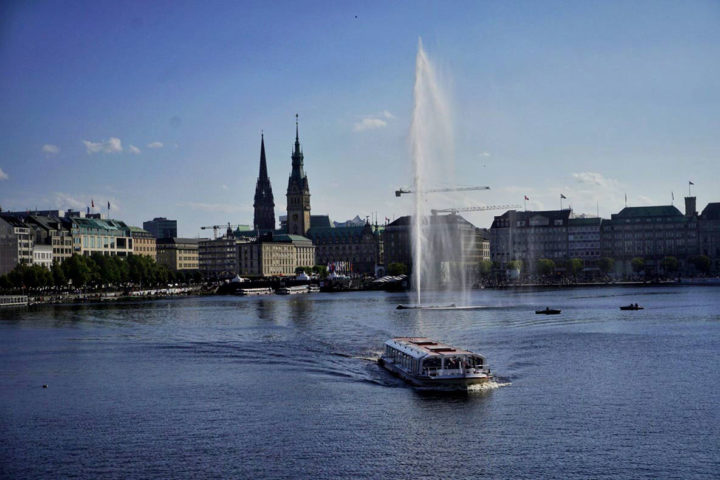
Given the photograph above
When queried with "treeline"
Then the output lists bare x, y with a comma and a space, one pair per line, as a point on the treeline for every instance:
95, 271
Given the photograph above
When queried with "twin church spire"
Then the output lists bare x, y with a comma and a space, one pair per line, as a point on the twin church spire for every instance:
298, 193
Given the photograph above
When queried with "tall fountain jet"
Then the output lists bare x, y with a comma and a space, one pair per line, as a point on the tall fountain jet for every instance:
432, 149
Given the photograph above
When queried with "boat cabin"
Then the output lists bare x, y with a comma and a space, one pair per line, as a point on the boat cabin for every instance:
422, 356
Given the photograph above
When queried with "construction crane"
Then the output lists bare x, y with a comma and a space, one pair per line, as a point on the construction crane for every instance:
400, 191
474, 209
215, 229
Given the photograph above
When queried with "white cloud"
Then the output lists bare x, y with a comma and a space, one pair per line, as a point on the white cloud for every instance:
134, 150
3, 175
155, 145
65, 200
369, 123
51, 149
485, 154
112, 145
594, 178
224, 187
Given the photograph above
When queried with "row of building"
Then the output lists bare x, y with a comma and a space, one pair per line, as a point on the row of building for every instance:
303, 239
650, 233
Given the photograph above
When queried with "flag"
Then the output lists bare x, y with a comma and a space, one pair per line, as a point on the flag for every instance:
673, 195
108, 205
92, 203
691, 183
526, 197
563, 196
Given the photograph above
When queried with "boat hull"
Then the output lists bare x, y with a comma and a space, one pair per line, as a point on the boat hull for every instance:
447, 382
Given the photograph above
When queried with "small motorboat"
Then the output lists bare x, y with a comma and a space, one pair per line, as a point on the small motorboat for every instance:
632, 306
548, 311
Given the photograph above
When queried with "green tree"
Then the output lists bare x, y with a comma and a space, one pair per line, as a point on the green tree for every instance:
606, 265
670, 264
545, 267
702, 263
485, 267
515, 265
59, 278
575, 266
397, 268
637, 264
320, 270
76, 269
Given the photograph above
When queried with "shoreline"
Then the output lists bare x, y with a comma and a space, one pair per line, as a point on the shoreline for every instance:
155, 294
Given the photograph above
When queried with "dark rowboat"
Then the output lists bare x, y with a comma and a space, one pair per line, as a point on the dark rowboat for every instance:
548, 311
631, 307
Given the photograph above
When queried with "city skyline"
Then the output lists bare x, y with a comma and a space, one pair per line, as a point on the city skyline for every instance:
158, 109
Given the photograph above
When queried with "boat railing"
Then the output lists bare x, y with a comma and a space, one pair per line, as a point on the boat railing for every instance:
443, 372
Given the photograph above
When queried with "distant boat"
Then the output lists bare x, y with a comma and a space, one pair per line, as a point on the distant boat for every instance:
548, 311
631, 307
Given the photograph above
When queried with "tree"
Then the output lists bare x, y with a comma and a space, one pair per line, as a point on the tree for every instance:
575, 266
397, 268
637, 264
485, 267
702, 263
320, 270
76, 269
515, 265
545, 267
59, 278
670, 264
606, 265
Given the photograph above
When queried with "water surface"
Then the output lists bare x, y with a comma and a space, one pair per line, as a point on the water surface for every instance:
285, 387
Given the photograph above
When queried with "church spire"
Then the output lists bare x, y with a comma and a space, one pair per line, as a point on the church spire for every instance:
264, 204
298, 192
263, 162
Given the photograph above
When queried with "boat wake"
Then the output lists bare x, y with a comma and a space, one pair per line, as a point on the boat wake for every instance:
484, 387
441, 307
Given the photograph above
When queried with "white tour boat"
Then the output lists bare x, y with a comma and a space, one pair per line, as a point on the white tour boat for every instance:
427, 363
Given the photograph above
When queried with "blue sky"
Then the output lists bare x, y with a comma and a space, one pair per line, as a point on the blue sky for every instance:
157, 107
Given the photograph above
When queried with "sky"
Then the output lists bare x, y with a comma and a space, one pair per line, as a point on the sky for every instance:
158, 107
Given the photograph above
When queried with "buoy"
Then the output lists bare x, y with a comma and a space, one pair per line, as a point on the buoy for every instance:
45, 386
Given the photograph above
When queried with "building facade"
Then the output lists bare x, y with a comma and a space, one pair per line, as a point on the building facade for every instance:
43, 255
529, 236
709, 235
161, 227
298, 193
54, 231
584, 240
264, 204
108, 237
357, 246
650, 233
22, 240
178, 253
220, 257
144, 243
275, 255
453, 247
8, 246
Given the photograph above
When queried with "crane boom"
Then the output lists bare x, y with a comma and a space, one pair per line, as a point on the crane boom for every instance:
400, 191
474, 209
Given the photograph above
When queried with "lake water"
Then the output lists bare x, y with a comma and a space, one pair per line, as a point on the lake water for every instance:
287, 387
